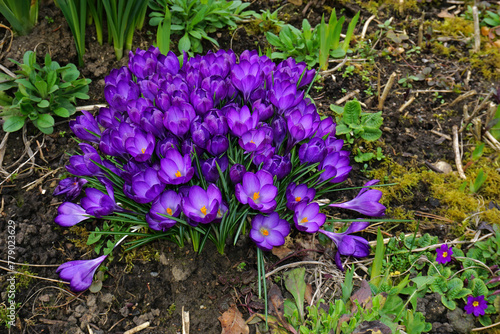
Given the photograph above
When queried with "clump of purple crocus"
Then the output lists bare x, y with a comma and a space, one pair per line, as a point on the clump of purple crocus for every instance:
195, 151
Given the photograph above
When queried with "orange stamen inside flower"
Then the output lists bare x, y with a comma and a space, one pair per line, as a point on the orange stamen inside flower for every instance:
304, 220
298, 199
252, 141
475, 304
74, 183
143, 150
256, 196
204, 210
445, 254
178, 174
169, 211
264, 231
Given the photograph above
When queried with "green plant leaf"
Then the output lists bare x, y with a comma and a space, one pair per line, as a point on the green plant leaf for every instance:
62, 112
455, 285
185, 43
479, 288
352, 113
43, 104
372, 120
478, 151
295, 284
371, 134
423, 281
44, 121
14, 123
376, 272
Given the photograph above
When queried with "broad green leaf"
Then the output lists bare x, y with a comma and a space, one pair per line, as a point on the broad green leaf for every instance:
372, 120
47, 131
45, 121
62, 112
43, 104
341, 129
423, 281
184, 43
352, 112
295, 284
337, 109
337, 53
70, 74
371, 134
479, 288
14, 123
455, 285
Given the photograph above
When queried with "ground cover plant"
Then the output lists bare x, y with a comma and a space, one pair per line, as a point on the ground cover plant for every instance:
412, 101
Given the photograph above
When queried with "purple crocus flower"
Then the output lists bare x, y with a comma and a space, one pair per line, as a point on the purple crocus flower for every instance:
313, 151
201, 101
246, 77
136, 108
216, 122
98, 204
201, 205
85, 165
236, 173
278, 166
335, 166
209, 168
199, 133
141, 146
444, 254
296, 194
217, 145
175, 168
476, 305
349, 245
258, 191
168, 64
146, 186
178, 117
241, 120
168, 143
301, 126
71, 187
307, 217
168, 203
85, 127
366, 202
279, 130
70, 214
143, 63
263, 155
109, 118
283, 95
80, 272
326, 127
268, 232
119, 94
254, 140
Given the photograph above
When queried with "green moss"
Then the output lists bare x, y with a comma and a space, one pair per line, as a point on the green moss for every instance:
487, 61
374, 7
456, 27
80, 241
23, 281
440, 49
145, 253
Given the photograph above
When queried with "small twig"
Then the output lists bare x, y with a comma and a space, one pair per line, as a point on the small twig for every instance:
406, 104
486, 327
476, 110
138, 328
30, 265
323, 73
185, 321
463, 97
445, 136
365, 27
386, 91
33, 276
7, 71
456, 149
91, 107
477, 31
490, 140
291, 265
347, 97
432, 91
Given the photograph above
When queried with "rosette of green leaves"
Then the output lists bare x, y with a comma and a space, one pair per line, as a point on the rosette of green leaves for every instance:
194, 19
21, 14
41, 93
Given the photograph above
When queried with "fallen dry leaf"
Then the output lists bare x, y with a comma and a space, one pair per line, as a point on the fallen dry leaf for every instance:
281, 251
362, 295
232, 322
372, 327
308, 294
276, 302
444, 13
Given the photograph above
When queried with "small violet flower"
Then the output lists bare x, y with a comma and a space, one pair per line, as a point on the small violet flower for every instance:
168, 203
476, 305
444, 254
296, 194
366, 202
201, 205
258, 191
71, 187
349, 245
268, 232
70, 214
98, 204
80, 272
175, 168
307, 217
85, 127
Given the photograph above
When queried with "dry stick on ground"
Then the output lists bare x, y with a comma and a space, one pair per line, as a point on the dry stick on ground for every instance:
33, 276
456, 149
185, 321
441, 134
477, 32
386, 91
347, 97
365, 27
406, 104
475, 111
138, 328
323, 73
463, 97
490, 140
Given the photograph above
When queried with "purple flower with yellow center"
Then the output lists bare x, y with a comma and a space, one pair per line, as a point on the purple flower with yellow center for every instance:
71, 187
366, 202
201, 205
241, 120
146, 186
336, 167
268, 232
313, 151
70, 214
476, 305
80, 272
168, 203
236, 173
278, 166
141, 146
98, 204
246, 77
175, 168
85, 127
349, 245
254, 140
258, 191
444, 254
307, 217
296, 194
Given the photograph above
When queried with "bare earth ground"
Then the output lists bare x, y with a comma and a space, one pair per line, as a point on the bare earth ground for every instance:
156, 283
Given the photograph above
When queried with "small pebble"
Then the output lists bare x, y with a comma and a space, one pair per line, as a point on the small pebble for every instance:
153, 273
